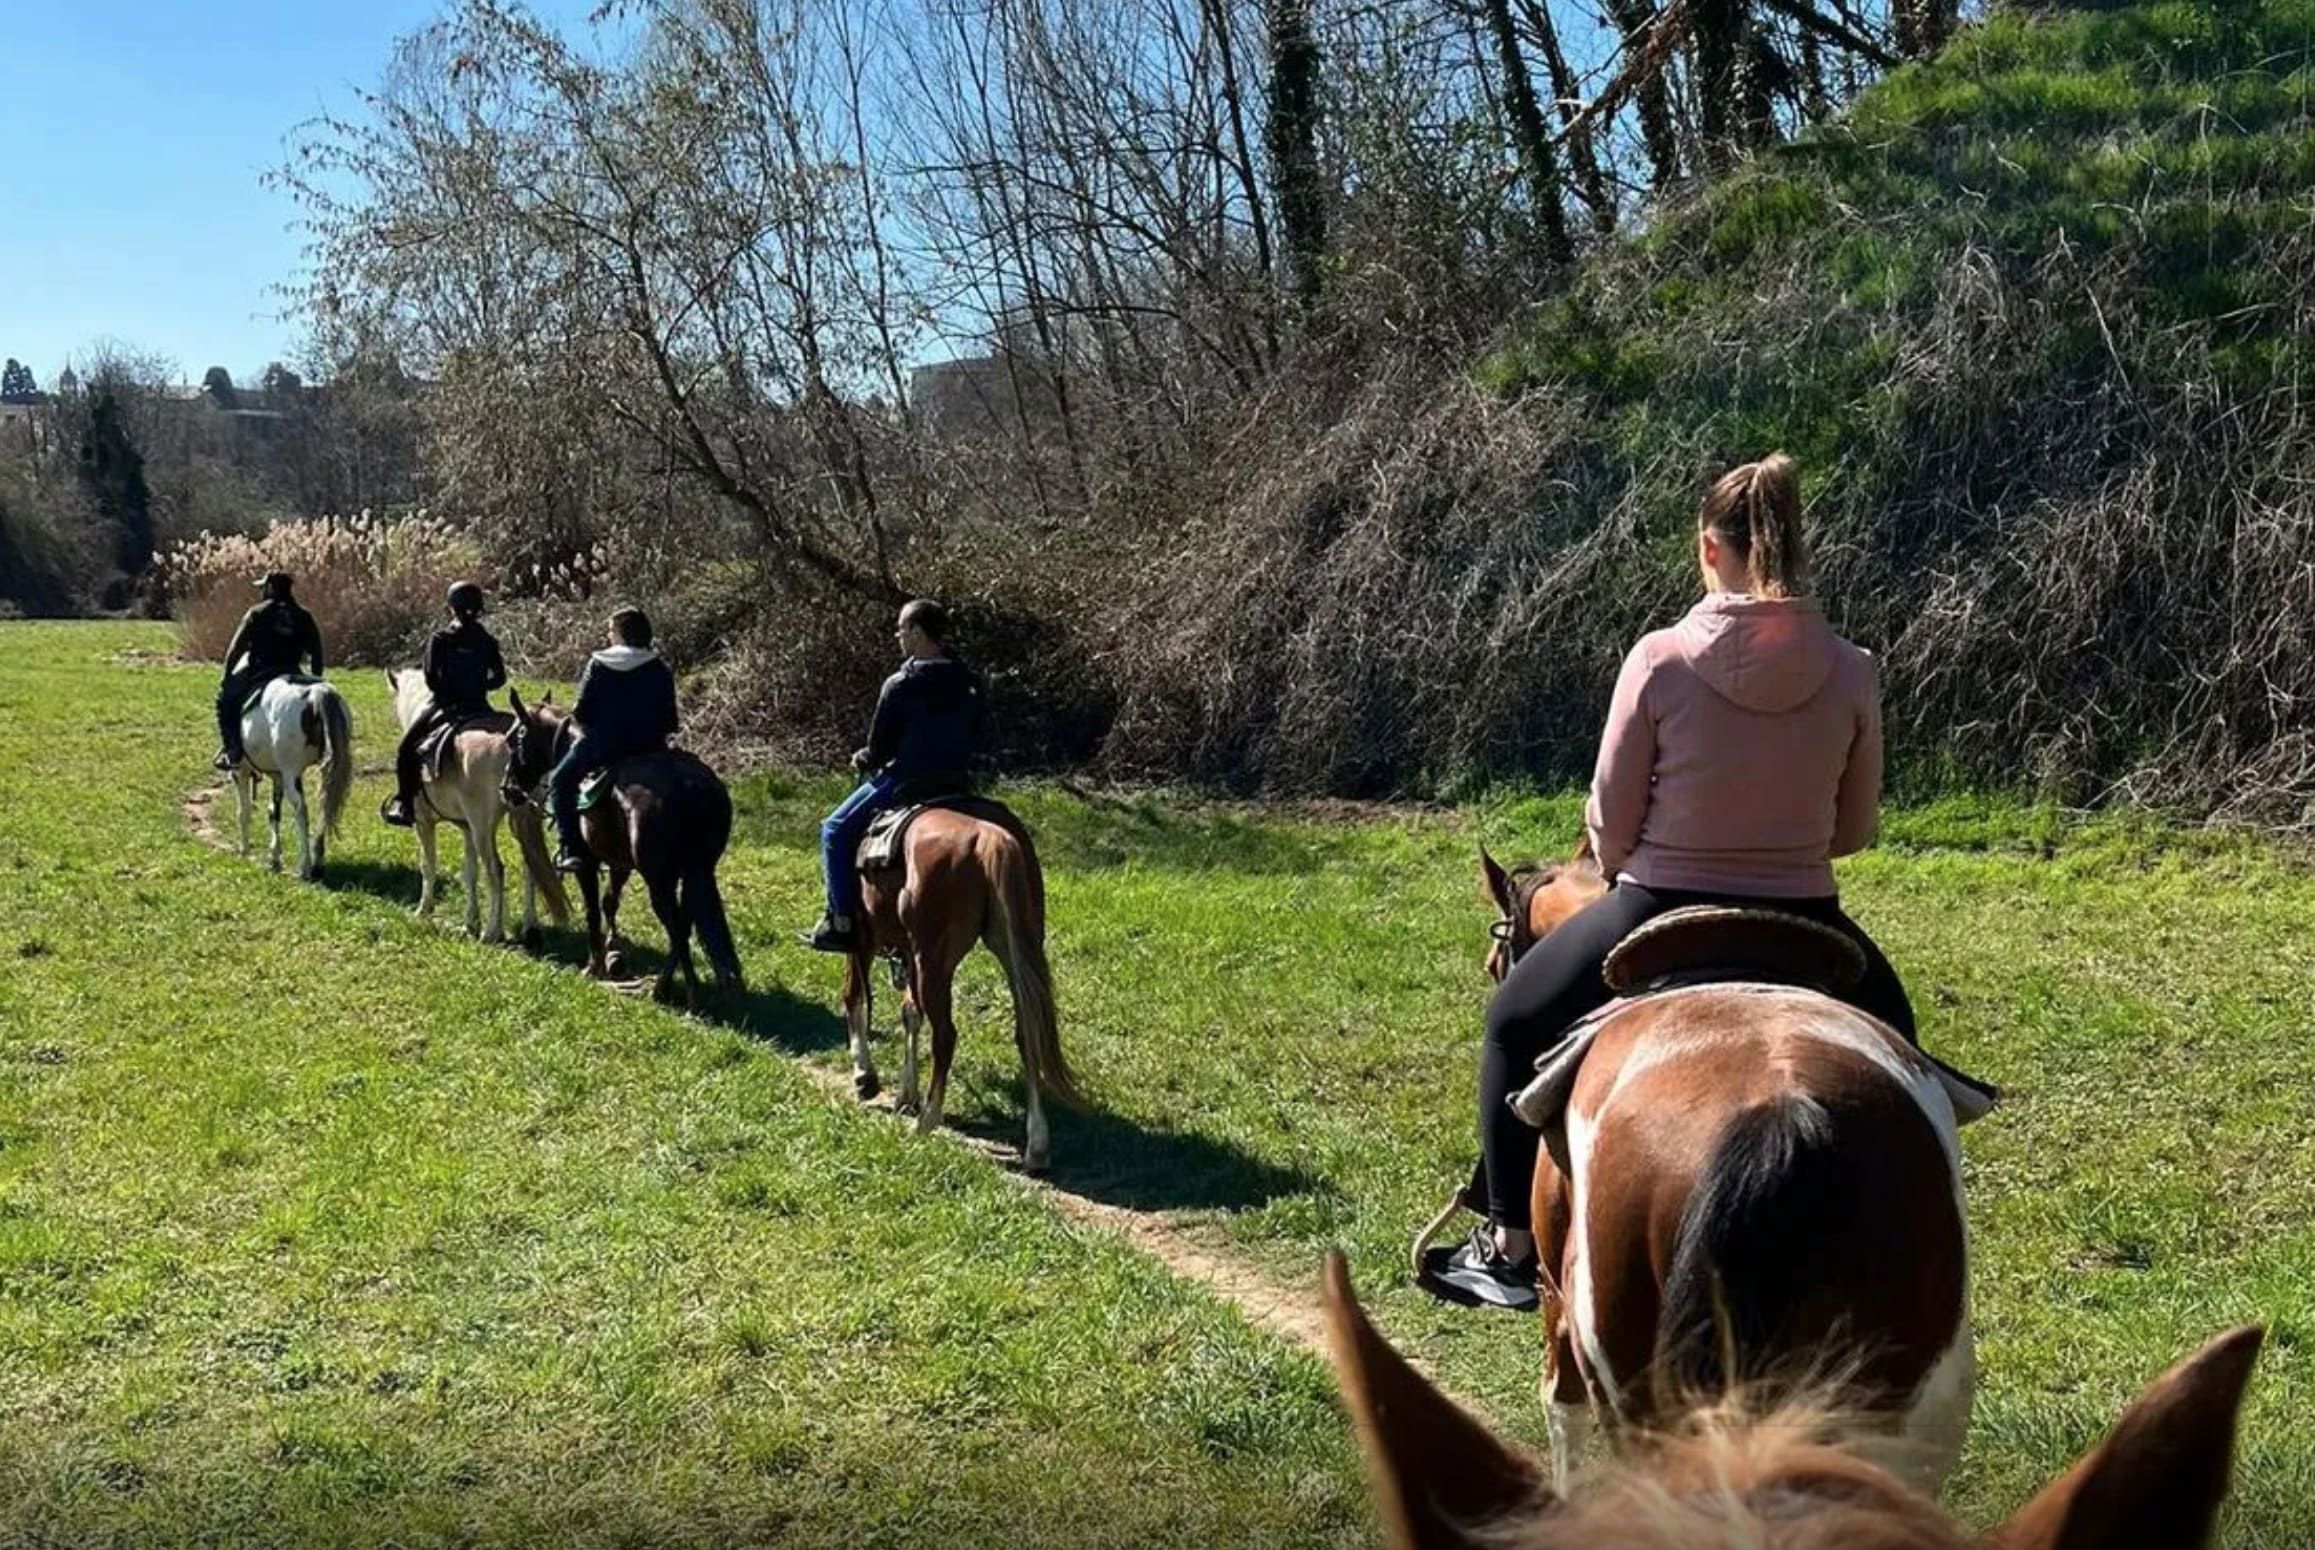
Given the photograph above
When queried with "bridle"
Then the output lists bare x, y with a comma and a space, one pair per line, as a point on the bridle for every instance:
521, 785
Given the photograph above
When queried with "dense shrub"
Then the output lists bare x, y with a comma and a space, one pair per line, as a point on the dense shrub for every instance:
374, 586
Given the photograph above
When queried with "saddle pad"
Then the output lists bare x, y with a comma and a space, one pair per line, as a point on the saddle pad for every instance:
1543, 1101
438, 741
1707, 942
880, 848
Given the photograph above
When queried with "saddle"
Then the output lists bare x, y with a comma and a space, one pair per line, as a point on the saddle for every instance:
881, 847
437, 744
595, 786
1725, 949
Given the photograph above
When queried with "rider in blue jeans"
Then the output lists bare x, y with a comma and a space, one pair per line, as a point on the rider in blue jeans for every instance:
921, 743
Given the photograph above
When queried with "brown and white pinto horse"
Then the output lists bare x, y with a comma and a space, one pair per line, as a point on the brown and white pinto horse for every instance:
1725, 1479
1745, 1187
966, 876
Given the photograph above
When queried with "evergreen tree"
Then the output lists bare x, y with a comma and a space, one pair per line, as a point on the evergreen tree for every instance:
112, 470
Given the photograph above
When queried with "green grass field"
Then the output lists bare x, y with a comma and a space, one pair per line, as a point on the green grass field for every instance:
319, 1224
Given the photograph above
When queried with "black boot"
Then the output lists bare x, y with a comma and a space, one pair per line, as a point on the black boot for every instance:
396, 811
832, 935
226, 762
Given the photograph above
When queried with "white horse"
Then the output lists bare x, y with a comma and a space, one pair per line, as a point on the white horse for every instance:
467, 795
294, 724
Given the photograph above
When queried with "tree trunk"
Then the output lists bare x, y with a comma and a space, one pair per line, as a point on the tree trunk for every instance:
1659, 132
1291, 135
1530, 135
1582, 154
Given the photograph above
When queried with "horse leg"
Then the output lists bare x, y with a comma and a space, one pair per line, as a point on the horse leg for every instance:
912, 1022
614, 949
244, 798
667, 904
493, 873
932, 989
468, 864
306, 870
273, 822
591, 895
859, 1003
428, 862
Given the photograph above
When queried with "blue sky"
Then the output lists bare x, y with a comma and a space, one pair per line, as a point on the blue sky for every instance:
131, 205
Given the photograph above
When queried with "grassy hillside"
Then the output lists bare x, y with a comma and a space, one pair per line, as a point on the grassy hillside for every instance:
2034, 317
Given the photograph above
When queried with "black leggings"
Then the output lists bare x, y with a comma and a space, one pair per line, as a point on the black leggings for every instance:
1559, 980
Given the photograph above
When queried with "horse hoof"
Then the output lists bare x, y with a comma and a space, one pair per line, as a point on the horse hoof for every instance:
615, 966
865, 1086
531, 938
1036, 1167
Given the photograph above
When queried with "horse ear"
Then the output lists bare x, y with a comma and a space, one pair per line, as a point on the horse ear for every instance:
2156, 1481
1441, 1480
1493, 879
514, 699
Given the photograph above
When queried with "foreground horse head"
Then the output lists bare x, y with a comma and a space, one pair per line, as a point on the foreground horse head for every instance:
1742, 1185
664, 815
1724, 1480
466, 788
292, 724
1533, 900
968, 874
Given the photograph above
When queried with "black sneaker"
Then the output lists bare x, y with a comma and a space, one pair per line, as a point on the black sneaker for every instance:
568, 860
225, 761
830, 936
1478, 1275
397, 812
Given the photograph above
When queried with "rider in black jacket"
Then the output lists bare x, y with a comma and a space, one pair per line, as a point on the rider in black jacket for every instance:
274, 640
922, 742
462, 667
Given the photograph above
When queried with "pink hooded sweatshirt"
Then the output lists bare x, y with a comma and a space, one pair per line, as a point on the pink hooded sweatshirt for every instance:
1742, 753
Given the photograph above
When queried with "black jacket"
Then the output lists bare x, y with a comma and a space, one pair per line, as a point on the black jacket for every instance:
928, 721
463, 666
626, 700
277, 636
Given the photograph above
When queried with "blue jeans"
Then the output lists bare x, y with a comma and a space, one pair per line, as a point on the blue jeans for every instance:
586, 756
840, 835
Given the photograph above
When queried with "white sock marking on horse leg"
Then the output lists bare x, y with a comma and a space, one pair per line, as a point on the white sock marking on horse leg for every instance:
304, 822
856, 1024
1582, 1316
427, 868
244, 798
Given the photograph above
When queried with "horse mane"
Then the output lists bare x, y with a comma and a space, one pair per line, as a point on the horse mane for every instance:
1733, 1476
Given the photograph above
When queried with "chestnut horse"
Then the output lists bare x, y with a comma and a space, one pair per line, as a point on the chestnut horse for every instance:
1725, 1479
665, 815
966, 876
1745, 1184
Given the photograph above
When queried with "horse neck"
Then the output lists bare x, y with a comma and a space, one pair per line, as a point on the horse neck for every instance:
410, 698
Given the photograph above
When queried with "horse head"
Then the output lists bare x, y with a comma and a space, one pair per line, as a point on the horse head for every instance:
1532, 901
533, 744
1726, 1479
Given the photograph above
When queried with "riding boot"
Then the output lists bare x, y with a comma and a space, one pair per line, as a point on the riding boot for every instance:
396, 811
832, 935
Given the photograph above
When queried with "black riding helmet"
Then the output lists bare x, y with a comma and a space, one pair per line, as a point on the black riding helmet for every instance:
275, 583
465, 599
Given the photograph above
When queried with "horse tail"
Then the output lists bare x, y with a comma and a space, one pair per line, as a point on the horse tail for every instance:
338, 752
530, 837
1744, 1260
703, 901
1017, 890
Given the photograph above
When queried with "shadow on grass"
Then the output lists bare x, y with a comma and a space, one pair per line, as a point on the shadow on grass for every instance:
1109, 1158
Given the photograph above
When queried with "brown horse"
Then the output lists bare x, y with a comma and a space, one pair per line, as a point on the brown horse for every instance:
1724, 1479
1744, 1184
966, 876
665, 816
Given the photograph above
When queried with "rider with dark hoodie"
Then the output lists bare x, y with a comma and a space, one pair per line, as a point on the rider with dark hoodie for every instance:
922, 742
462, 666
626, 706
274, 640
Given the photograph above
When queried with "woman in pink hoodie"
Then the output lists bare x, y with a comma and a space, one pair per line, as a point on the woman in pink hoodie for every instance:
1742, 754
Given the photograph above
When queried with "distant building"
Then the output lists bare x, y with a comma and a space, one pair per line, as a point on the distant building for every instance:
980, 395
